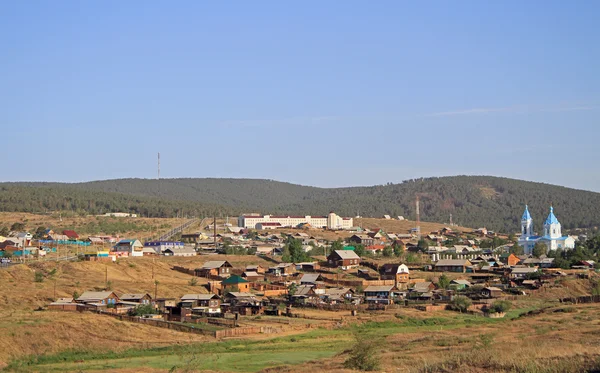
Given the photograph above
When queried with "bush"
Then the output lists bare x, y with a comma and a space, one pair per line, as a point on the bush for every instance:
38, 277
363, 354
193, 281
143, 309
460, 304
500, 306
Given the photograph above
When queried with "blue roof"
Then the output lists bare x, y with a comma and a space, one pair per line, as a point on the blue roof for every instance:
526, 215
551, 219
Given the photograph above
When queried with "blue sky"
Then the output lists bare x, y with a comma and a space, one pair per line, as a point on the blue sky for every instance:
325, 93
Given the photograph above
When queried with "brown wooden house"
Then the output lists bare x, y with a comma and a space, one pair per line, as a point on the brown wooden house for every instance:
214, 268
344, 259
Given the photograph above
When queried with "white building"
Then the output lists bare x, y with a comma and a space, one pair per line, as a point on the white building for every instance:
331, 221
552, 237
161, 246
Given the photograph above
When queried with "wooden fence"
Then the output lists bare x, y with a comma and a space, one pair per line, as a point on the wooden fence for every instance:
584, 299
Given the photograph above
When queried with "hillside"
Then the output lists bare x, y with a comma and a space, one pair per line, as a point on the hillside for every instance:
493, 202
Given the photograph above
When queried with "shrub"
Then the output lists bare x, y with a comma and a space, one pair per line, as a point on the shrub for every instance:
38, 277
193, 281
460, 304
363, 354
500, 306
143, 309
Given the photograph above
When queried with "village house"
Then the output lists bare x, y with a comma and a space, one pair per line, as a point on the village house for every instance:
362, 239
421, 289
459, 284
452, 265
282, 269
491, 292
98, 298
510, 259
253, 276
345, 259
94, 240
235, 283
310, 279
396, 272
160, 246
215, 268
129, 247
141, 298
256, 268
71, 234
204, 304
380, 294
180, 251
304, 294
242, 303
522, 273
338, 295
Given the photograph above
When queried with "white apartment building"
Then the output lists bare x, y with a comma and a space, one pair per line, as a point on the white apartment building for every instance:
331, 221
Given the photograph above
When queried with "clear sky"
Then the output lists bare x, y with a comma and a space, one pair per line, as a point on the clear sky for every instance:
324, 93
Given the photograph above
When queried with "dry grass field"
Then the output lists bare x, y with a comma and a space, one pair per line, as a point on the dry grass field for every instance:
140, 228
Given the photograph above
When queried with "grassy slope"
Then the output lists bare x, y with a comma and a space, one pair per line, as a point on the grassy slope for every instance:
445, 342
56, 331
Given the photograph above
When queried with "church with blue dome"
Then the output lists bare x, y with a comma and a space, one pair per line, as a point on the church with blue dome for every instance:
552, 236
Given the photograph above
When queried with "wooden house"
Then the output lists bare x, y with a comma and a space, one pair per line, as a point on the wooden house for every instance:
235, 283
215, 268
204, 304
102, 298
452, 265
345, 259
141, 298
396, 272
380, 294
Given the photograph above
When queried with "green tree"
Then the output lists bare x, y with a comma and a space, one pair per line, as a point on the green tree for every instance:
423, 245
398, 250
17, 227
539, 249
359, 249
38, 276
4, 231
337, 245
443, 282
460, 303
363, 354
292, 288
39, 232
500, 306
516, 249
143, 309
387, 251
293, 251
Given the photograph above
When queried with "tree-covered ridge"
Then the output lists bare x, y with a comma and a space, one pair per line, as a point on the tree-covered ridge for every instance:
493, 202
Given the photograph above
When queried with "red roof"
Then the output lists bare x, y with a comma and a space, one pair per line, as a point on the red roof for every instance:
375, 247
70, 234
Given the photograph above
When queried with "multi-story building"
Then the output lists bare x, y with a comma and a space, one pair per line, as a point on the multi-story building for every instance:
331, 221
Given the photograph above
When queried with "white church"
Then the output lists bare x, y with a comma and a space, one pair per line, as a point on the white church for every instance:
552, 237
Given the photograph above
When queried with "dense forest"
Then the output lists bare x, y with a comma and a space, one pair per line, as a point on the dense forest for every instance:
496, 203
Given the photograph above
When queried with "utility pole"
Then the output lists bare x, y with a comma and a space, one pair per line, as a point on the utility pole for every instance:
215, 230
418, 220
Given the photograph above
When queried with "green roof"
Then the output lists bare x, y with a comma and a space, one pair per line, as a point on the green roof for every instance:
349, 247
234, 279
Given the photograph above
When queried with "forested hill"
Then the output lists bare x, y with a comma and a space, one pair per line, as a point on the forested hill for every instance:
496, 203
